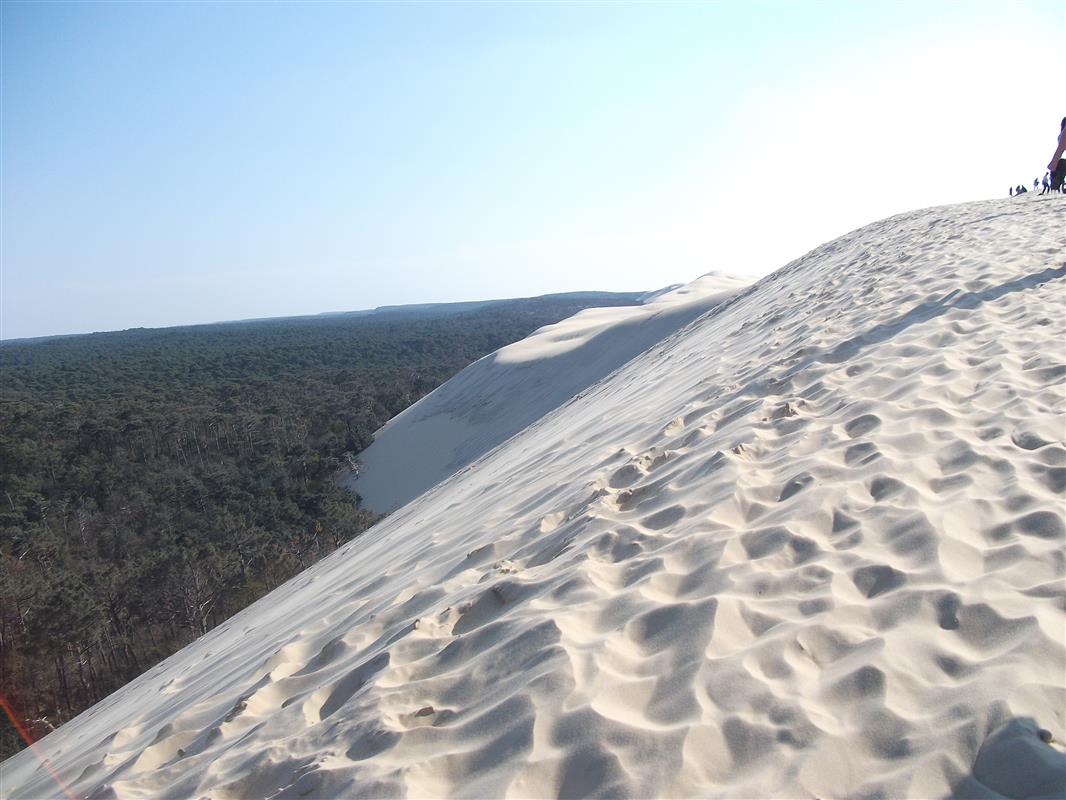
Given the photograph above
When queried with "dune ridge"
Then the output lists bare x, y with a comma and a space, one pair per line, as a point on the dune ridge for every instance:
506, 391
811, 545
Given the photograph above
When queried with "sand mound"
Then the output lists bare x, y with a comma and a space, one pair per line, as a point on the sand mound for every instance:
506, 391
810, 546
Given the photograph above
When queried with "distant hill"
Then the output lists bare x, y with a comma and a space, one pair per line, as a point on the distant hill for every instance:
595, 298
411, 310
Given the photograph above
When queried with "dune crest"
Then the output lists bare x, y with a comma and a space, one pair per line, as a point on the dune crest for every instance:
506, 391
809, 545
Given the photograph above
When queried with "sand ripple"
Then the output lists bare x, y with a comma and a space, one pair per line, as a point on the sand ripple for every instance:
811, 545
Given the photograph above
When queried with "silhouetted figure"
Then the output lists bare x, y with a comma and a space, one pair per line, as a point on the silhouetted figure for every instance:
1046, 184
1057, 165
1012, 191
1036, 182
1021, 190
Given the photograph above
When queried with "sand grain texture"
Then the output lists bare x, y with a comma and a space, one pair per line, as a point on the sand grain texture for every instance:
811, 545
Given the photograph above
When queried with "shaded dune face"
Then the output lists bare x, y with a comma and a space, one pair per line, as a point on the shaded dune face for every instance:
810, 545
506, 391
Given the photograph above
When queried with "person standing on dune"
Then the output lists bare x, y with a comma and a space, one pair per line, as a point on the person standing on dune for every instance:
1057, 165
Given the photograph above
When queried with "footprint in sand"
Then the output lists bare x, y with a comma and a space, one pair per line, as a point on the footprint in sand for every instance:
883, 487
369, 743
860, 454
489, 605
795, 486
625, 477
877, 579
328, 699
862, 425
676, 426
620, 545
665, 518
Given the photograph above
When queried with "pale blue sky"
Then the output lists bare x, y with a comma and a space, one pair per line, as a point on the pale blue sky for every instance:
178, 163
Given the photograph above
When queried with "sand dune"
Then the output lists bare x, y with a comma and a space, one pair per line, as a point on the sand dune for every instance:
809, 546
506, 391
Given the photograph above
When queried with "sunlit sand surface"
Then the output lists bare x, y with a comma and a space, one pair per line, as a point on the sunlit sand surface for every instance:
809, 545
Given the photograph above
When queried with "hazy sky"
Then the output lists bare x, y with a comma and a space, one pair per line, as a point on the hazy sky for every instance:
177, 163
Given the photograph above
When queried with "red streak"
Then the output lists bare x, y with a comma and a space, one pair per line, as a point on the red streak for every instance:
28, 739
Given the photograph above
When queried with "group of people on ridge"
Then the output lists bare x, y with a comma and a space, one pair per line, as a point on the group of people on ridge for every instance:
1047, 182
1056, 174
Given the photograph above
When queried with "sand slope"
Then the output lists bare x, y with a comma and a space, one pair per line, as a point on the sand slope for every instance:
504, 392
810, 546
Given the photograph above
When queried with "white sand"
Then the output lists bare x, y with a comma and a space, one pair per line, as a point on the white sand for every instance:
810, 546
506, 391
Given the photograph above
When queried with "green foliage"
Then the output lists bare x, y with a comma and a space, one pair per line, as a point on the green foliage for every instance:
154, 482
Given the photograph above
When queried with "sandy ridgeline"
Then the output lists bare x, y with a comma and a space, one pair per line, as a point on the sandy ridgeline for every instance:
811, 545
503, 393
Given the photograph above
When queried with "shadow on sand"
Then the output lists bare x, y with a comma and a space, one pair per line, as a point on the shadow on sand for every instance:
935, 308
1016, 760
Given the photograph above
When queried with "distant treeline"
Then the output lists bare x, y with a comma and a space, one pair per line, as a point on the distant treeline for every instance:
155, 482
